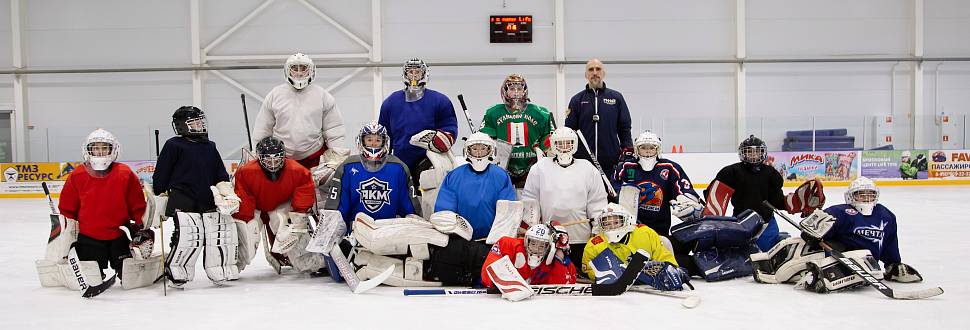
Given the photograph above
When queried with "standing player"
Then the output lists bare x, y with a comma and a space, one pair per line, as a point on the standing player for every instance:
862, 227
471, 190
748, 183
541, 257
418, 114
524, 125
101, 195
375, 182
188, 167
279, 192
304, 116
661, 183
567, 189
602, 116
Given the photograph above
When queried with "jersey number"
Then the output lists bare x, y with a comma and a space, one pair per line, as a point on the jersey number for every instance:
333, 193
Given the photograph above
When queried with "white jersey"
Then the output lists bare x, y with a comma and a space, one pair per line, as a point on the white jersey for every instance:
303, 119
566, 194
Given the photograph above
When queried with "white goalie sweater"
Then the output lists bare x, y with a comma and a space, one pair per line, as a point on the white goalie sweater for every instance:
303, 119
567, 194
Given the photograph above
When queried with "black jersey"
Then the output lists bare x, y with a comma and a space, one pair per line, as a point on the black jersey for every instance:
751, 188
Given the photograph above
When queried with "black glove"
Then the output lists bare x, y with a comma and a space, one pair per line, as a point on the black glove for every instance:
903, 273
810, 240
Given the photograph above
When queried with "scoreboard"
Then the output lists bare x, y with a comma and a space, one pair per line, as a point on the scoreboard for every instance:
510, 29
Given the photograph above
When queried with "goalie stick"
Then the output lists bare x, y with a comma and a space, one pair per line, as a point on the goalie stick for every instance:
161, 228
592, 158
461, 99
87, 291
324, 242
858, 270
616, 288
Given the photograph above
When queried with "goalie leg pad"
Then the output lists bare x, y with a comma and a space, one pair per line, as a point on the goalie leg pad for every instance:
458, 263
302, 260
187, 241
828, 275
508, 217
219, 259
785, 262
395, 236
408, 272
719, 232
54, 274
62, 236
248, 235
141, 273
718, 264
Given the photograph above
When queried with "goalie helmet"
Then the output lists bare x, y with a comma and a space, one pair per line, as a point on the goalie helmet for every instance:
862, 195
615, 222
271, 155
415, 76
563, 143
373, 144
100, 149
647, 146
753, 152
189, 122
538, 244
479, 151
299, 70
515, 92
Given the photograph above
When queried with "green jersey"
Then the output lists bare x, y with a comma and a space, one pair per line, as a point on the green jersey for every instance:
525, 130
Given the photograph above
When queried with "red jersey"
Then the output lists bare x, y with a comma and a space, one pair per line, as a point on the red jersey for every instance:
558, 272
102, 204
257, 192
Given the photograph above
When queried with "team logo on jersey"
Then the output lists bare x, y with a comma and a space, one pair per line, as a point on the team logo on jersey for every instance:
851, 211
664, 173
872, 233
374, 194
495, 249
651, 196
609, 101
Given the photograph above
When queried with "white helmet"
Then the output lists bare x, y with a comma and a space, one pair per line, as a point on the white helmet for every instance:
614, 223
304, 73
862, 195
648, 140
100, 149
538, 245
479, 159
563, 142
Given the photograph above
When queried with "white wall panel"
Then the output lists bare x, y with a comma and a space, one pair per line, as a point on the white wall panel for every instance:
947, 27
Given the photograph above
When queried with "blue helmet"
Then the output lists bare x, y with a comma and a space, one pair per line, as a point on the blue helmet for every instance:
373, 156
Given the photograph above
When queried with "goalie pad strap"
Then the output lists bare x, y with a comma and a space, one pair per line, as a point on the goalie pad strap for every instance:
219, 258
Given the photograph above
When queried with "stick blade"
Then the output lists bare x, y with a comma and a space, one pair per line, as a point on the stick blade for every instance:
365, 286
93, 291
919, 294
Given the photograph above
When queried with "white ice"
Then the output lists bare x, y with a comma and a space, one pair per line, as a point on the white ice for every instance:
933, 228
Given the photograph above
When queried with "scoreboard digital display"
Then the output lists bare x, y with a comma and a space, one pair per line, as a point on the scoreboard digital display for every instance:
510, 29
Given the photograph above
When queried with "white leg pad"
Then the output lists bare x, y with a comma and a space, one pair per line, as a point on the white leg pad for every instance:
508, 217
248, 235
395, 236
181, 260
59, 246
220, 247
54, 274
140, 273
301, 259
407, 272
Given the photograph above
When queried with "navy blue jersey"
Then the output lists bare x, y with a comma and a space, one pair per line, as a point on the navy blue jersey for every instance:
657, 187
608, 135
189, 168
403, 119
383, 194
876, 232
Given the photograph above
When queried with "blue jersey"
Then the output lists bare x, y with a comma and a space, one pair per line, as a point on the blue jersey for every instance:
383, 194
876, 232
403, 119
473, 195
657, 187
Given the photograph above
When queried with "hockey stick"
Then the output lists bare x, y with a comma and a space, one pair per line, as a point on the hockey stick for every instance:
161, 230
249, 137
687, 300
606, 180
621, 285
858, 270
461, 99
87, 291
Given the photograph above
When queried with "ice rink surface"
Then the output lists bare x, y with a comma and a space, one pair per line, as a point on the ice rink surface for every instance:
933, 227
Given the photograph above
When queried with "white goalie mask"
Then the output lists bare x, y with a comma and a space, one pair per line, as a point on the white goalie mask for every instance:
299, 70
538, 245
614, 223
100, 149
479, 151
563, 143
862, 195
647, 146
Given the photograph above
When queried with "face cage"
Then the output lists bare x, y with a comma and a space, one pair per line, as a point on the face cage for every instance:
271, 162
481, 153
515, 91
536, 247
866, 196
415, 74
199, 123
94, 150
644, 150
753, 154
611, 222
299, 71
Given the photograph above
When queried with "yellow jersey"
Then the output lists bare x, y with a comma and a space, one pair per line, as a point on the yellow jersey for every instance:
641, 238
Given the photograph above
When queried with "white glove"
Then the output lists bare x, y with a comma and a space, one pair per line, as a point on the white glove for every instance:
248, 234
433, 140
329, 161
290, 232
225, 198
686, 207
449, 222
817, 224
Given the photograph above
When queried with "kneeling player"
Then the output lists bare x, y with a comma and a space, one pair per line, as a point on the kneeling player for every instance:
862, 227
617, 238
541, 257
279, 191
99, 196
